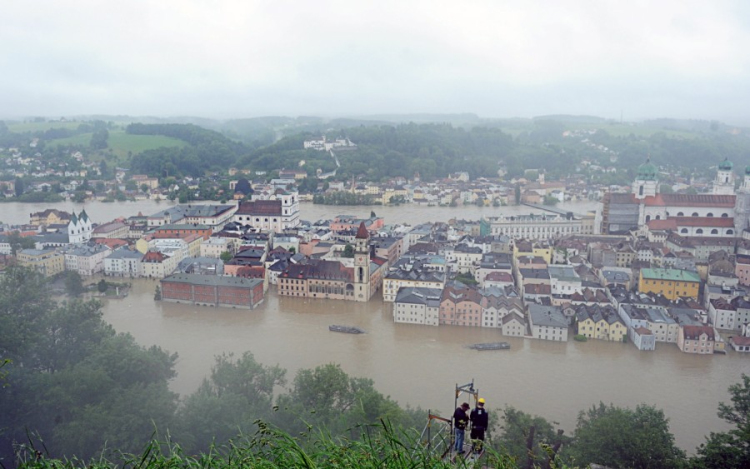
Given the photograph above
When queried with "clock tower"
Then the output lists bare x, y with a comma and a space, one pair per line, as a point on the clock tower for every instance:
362, 264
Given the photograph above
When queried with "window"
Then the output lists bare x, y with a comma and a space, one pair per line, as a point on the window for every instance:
714, 231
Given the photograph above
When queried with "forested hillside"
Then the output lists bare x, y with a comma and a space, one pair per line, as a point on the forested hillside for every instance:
557, 144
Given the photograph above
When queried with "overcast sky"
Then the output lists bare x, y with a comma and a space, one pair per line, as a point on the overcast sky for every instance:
665, 58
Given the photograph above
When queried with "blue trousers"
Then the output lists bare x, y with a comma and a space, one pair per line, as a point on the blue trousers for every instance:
459, 446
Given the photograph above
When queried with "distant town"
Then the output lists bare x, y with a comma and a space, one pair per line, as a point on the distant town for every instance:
652, 265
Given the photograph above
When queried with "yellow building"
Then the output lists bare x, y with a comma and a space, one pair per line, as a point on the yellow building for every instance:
523, 248
48, 262
671, 283
51, 216
602, 323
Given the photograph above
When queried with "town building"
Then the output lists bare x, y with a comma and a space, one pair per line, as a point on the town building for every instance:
123, 262
47, 262
51, 216
671, 283
547, 322
414, 305
86, 260
696, 339
212, 290
460, 305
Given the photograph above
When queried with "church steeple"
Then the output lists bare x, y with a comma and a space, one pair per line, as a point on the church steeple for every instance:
362, 264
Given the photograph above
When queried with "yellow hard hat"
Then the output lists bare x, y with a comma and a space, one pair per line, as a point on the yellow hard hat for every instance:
481, 400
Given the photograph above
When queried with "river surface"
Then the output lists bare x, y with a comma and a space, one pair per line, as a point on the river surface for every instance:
419, 365
18, 213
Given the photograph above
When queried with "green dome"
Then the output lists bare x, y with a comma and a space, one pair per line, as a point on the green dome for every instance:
725, 165
747, 170
647, 171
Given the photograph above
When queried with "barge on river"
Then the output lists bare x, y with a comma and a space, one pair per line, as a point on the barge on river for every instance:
346, 329
491, 346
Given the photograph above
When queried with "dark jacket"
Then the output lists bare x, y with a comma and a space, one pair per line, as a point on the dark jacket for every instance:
479, 418
460, 419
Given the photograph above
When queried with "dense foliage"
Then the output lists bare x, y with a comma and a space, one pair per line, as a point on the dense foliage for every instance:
208, 150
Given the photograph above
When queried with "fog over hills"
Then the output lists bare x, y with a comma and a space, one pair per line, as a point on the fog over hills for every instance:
496, 59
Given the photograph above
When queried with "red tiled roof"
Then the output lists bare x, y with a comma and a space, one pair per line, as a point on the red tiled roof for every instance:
153, 256
112, 243
669, 224
694, 332
740, 341
498, 277
362, 232
691, 200
704, 221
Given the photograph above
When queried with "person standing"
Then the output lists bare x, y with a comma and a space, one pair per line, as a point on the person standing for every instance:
479, 421
460, 420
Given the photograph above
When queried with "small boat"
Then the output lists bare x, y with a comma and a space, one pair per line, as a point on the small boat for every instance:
346, 329
491, 346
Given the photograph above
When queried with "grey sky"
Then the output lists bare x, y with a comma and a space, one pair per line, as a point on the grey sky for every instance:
661, 58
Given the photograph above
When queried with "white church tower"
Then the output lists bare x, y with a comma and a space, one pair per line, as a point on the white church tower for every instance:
79, 228
724, 182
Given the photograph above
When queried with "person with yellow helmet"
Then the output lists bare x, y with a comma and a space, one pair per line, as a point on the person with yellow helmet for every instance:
479, 422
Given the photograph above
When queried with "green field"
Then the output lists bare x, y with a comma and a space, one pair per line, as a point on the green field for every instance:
41, 126
623, 130
121, 143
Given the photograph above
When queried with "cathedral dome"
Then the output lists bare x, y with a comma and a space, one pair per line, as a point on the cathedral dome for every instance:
725, 165
647, 171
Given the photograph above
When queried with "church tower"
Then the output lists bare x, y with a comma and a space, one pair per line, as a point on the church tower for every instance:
362, 264
724, 182
646, 183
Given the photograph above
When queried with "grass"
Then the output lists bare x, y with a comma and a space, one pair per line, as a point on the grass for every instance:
270, 448
121, 143
639, 130
41, 126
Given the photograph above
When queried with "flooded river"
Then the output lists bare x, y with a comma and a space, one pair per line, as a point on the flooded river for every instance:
419, 365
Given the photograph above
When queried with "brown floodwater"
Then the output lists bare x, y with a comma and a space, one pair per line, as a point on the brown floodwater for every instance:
419, 365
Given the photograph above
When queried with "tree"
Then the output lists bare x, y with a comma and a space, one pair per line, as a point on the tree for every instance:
519, 429
730, 448
550, 200
328, 397
348, 251
19, 187
131, 185
625, 438
102, 286
99, 139
225, 256
238, 392
73, 283
144, 188
157, 293
518, 194
75, 384
18, 242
